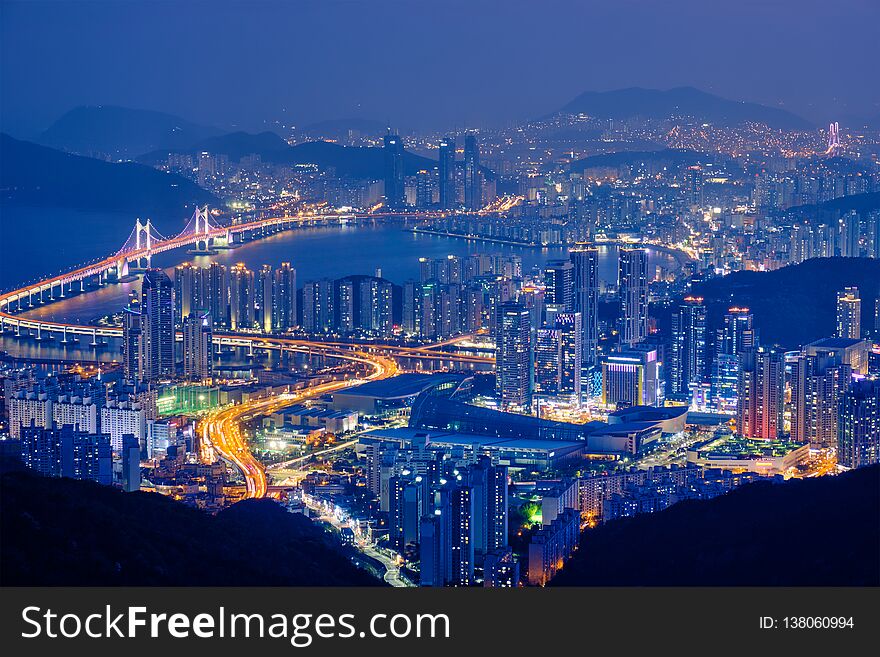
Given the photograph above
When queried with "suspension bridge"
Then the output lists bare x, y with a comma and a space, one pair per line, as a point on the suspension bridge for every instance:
204, 234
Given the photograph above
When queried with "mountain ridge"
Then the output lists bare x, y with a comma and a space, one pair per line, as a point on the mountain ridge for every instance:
679, 101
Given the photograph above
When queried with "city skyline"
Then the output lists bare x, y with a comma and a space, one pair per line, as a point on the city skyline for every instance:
496, 348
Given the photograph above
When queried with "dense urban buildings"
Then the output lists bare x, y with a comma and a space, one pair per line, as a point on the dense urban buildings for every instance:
461, 347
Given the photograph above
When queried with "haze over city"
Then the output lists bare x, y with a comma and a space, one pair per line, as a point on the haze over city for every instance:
426, 65
453, 294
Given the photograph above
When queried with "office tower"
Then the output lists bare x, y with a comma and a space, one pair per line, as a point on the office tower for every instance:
241, 298
284, 301
318, 306
395, 194
858, 425
817, 383
488, 484
447, 173
198, 363
423, 189
217, 294
632, 377
633, 286
473, 191
689, 354
760, 394
849, 313
559, 284
132, 343
570, 337
157, 310
548, 360
346, 305
189, 291
586, 298
737, 333
694, 189
513, 358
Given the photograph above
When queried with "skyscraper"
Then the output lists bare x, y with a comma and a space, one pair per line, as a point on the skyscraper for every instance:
132, 343
423, 189
570, 336
632, 377
858, 425
447, 173
189, 291
264, 300
632, 282
689, 354
375, 306
586, 298
157, 309
513, 358
559, 284
760, 394
473, 191
548, 358
285, 297
849, 313
817, 383
197, 354
241, 298
489, 485
318, 308
395, 194
347, 302
217, 294
738, 332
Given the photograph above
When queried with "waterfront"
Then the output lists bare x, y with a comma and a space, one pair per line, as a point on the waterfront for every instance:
355, 250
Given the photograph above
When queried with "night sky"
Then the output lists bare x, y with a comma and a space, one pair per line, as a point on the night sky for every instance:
427, 64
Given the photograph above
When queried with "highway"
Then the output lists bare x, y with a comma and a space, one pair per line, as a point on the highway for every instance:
221, 430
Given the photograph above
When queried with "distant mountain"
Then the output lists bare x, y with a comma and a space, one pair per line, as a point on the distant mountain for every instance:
37, 176
234, 144
62, 532
353, 161
796, 304
681, 101
755, 535
861, 203
672, 156
341, 128
120, 132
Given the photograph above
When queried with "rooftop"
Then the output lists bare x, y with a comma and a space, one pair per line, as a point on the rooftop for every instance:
403, 385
